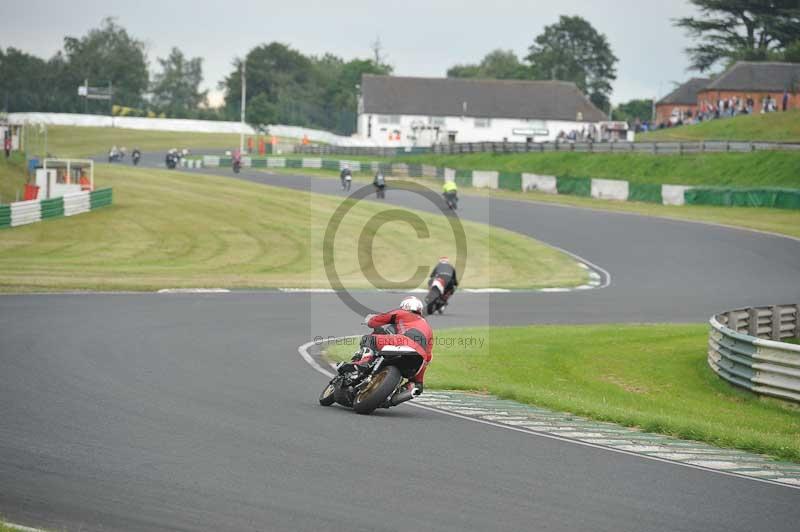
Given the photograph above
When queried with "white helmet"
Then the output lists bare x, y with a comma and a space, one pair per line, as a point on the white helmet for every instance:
412, 304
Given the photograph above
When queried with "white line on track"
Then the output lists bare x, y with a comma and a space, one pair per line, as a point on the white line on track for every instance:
303, 351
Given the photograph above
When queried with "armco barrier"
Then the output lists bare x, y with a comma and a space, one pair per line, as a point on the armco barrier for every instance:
745, 349
26, 212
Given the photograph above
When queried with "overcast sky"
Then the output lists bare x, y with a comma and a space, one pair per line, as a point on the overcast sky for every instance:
419, 37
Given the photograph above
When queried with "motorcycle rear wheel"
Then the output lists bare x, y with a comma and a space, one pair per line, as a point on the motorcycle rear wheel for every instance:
377, 391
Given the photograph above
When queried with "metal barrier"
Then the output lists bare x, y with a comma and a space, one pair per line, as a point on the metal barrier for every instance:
659, 148
745, 349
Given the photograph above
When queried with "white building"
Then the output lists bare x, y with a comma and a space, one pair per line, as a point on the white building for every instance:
406, 111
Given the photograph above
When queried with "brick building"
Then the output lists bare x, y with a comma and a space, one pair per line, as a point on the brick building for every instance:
680, 103
757, 81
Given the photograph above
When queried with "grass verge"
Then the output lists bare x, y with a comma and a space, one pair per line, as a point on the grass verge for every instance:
70, 141
171, 229
759, 169
780, 221
772, 127
654, 377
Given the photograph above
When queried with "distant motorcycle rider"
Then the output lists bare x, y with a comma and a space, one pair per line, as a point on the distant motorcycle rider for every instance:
450, 193
447, 272
346, 177
410, 329
380, 185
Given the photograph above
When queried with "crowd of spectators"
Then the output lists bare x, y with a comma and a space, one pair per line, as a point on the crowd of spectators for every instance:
722, 108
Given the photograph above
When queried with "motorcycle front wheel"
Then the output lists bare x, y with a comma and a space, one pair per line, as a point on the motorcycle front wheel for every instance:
377, 391
327, 397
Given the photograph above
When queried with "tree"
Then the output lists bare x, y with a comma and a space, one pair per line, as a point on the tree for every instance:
573, 50
497, 64
633, 109
729, 30
109, 54
176, 89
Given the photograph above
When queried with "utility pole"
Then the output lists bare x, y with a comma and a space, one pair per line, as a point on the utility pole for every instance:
244, 95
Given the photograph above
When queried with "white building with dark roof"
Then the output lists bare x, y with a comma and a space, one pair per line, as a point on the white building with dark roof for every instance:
406, 111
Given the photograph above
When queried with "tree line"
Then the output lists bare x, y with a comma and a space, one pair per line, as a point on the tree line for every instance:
288, 87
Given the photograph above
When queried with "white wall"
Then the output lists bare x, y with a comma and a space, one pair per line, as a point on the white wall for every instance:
499, 129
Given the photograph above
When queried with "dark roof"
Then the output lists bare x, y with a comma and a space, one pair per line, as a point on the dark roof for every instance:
748, 76
686, 94
485, 98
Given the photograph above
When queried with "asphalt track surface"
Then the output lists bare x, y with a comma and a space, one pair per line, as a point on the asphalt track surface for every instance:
195, 412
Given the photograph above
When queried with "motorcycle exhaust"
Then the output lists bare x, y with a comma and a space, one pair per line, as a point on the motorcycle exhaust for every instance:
401, 397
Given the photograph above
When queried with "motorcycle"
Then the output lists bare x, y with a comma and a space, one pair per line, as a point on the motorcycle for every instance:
237, 166
136, 156
452, 200
436, 300
376, 384
171, 161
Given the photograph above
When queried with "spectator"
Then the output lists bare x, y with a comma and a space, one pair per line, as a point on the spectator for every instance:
7, 144
785, 103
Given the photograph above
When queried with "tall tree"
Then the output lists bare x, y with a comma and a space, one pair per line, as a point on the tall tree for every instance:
176, 89
633, 109
110, 54
573, 50
497, 64
728, 30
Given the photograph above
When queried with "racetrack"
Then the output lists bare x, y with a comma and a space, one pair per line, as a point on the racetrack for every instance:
195, 412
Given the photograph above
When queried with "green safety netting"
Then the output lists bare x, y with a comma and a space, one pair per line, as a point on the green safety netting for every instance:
575, 186
644, 192
780, 198
509, 181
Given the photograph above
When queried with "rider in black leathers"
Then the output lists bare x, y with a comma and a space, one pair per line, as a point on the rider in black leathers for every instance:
446, 271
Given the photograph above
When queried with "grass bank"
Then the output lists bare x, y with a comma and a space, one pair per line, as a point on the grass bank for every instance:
759, 169
654, 377
780, 221
772, 127
171, 229
12, 177
70, 141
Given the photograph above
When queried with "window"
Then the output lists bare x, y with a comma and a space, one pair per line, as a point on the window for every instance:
388, 119
483, 122
437, 121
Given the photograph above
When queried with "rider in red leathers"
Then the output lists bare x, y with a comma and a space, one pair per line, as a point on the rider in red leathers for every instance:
411, 330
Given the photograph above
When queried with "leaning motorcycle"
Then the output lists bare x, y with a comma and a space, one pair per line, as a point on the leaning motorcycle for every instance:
452, 200
436, 300
237, 166
376, 384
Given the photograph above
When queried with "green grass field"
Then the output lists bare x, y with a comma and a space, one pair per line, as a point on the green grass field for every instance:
68, 141
760, 169
654, 377
170, 229
12, 177
774, 127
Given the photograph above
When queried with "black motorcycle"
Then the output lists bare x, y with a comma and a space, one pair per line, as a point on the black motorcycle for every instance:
377, 384
452, 200
436, 300
136, 155
237, 166
171, 161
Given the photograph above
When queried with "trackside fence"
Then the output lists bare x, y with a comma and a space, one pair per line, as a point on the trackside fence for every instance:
747, 347
663, 148
32, 211
607, 189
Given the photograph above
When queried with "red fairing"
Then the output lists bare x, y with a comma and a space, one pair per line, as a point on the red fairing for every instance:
404, 321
